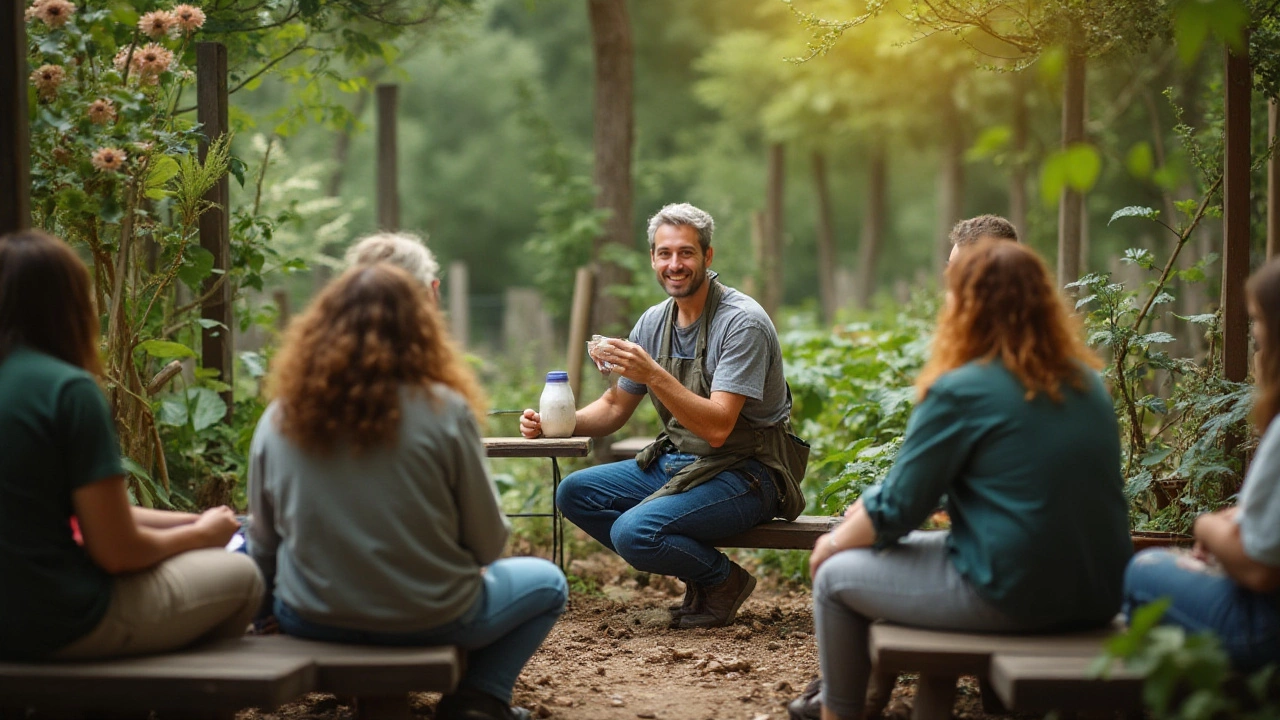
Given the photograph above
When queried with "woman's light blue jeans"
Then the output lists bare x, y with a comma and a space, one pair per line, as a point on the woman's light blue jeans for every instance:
1204, 598
519, 603
670, 535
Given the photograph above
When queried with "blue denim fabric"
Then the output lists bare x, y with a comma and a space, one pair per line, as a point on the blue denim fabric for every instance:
670, 535
1246, 622
520, 602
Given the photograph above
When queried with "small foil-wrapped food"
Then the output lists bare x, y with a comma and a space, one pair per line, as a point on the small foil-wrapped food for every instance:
604, 366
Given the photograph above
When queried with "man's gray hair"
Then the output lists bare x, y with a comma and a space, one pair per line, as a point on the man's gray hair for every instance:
968, 232
684, 214
405, 250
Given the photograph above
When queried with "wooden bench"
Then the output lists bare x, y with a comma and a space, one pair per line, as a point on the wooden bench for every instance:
215, 680
1035, 670
800, 534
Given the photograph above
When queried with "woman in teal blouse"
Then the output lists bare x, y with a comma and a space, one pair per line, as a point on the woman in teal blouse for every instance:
1016, 436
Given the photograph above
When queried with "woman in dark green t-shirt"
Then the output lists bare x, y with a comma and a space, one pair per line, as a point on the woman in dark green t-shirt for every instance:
1016, 431
140, 580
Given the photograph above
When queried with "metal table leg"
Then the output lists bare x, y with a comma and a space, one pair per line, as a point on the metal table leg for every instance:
557, 523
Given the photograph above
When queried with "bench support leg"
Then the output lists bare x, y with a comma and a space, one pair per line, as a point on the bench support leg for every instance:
935, 695
879, 691
382, 707
991, 704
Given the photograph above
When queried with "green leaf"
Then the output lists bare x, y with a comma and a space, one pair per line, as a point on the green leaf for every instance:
992, 141
1134, 211
1155, 337
1140, 161
237, 169
163, 169
1194, 20
196, 266
1187, 207
255, 363
209, 408
165, 349
1205, 319
1076, 167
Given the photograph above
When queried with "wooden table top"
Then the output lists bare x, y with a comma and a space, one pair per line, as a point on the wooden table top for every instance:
537, 447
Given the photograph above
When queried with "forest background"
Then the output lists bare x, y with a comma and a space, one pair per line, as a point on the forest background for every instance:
835, 149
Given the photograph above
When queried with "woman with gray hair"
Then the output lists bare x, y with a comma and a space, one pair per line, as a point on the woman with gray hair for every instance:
405, 250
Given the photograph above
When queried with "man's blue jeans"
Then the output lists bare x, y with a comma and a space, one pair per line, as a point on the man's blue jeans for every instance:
519, 603
670, 535
1246, 622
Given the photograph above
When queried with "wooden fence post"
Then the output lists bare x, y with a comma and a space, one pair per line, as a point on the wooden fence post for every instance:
215, 228
1235, 217
579, 319
459, 312
15, 142
388, 184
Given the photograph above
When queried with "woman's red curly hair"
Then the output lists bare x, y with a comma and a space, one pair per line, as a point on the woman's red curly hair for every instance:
343, 362
1002, 304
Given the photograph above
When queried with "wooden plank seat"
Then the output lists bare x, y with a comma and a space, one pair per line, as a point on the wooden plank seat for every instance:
776, 534
799, 534
941, 657
217, 679
1043, 684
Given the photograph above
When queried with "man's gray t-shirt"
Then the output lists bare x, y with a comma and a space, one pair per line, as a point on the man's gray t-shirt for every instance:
743, 354
1259, 514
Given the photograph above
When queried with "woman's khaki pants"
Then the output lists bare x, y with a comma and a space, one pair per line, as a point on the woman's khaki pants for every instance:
202, 594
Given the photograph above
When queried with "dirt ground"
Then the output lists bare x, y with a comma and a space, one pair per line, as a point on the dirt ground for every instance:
612, 657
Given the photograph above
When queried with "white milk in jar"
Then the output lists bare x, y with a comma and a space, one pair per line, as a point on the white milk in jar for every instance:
558, 411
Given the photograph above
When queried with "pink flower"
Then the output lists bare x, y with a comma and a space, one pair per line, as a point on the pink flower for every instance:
188, 17
156, 24
151, 60
122, 57
47, 78
54, 13
109, 158
102, 111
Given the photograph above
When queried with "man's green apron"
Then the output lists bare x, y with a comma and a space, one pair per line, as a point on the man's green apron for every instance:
775, 446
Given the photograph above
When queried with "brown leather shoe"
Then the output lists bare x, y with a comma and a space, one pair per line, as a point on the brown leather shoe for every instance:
693, 595
720, 603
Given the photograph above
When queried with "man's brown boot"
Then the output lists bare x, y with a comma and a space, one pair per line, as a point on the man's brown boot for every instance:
692, 604
720, 603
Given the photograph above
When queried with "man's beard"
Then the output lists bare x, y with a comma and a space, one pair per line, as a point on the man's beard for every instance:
696, 278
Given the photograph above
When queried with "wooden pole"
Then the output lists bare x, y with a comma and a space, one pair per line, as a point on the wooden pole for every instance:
579, 330
215, 228
15, 141
774, 228
388, 185
1273, 180
1235, 217
459, 311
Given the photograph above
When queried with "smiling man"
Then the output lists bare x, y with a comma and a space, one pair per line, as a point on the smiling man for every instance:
709, 359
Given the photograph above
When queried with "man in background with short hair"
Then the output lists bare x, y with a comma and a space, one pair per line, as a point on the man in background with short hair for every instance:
969, 232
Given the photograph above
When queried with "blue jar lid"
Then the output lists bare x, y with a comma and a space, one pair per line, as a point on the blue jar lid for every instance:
557, 376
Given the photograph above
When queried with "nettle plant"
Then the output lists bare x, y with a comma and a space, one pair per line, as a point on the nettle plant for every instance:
853, 394
1183, 425
115, 171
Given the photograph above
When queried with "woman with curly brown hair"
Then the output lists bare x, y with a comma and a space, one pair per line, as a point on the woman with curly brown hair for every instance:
1015, 429
374, 512
139, 580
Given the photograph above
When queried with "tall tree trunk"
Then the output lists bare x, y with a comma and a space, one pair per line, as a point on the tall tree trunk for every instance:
774, 228
873, 222
15, 148
950, 185
1018, 168
1071, 207
614, 137
1238, 85
1194, 297
1273, 181
826, 240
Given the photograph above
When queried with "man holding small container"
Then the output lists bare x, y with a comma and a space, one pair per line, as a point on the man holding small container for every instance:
726, 460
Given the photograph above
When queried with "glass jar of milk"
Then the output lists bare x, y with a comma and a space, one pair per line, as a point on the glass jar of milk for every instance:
559, 414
